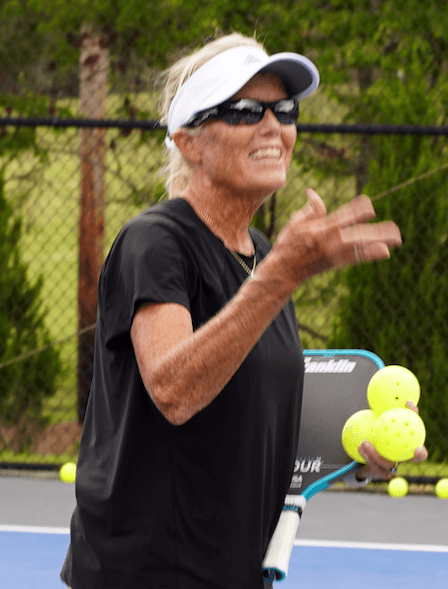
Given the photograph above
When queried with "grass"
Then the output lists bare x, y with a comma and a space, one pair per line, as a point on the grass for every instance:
34, 459
426, 469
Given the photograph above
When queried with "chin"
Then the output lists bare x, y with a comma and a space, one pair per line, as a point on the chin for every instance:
273, 184
264, 185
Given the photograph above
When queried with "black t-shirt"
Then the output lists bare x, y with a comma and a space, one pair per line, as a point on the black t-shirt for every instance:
192, 506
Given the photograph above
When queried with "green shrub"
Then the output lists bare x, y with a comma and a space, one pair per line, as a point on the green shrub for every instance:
399, 308
26, 382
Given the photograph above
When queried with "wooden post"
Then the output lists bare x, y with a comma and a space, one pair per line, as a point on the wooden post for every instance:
93, 92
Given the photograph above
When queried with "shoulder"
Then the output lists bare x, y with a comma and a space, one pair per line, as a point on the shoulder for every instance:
151, 260
175, 214
165, 222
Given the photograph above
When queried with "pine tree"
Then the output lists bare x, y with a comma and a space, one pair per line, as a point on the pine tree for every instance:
25, 383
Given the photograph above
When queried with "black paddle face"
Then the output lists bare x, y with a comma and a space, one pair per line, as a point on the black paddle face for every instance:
335, 387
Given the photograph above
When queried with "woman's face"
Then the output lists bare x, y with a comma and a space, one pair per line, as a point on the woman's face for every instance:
252, 159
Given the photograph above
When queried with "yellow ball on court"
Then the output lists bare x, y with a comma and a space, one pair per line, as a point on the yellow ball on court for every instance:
398, 487
442, 489
391, 387
397, 433
67, 473
357, 428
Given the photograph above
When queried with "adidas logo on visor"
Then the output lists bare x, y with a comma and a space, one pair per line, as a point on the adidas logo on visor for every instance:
251, 59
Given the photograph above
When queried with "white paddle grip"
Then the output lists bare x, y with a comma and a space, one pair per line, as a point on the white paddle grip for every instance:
278, 554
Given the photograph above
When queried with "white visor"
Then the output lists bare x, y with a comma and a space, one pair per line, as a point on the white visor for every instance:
222, 76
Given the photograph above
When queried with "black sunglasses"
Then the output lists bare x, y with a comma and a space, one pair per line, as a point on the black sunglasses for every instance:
248, 111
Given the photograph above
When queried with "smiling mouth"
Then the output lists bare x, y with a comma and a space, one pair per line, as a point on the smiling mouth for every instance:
273, 153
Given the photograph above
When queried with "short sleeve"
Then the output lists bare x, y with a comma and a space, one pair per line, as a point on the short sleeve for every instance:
148, 262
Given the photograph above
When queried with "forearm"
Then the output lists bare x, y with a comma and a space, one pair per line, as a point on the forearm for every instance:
187, 378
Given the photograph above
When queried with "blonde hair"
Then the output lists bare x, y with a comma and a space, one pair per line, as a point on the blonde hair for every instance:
177, 170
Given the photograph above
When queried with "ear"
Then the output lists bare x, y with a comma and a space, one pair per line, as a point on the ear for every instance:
188, 146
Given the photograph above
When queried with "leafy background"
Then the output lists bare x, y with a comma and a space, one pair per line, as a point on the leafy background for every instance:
380, 61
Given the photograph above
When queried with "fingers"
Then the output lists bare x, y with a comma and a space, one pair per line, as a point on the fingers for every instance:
411, 405
355, 240
313, 242
370, 253
358, 210
355, 254
363, 234
420, 455
366, 243
376, 465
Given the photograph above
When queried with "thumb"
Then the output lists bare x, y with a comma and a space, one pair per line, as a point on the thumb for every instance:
315, 206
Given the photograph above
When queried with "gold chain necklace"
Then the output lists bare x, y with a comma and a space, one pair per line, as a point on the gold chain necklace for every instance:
243, 263
212, 226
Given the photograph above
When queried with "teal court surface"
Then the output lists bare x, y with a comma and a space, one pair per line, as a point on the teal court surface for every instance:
346, 540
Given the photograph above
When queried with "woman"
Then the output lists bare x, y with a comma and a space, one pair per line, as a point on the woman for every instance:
191, 427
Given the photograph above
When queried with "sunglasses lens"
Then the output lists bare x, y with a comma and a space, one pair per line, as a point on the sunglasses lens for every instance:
242, 111
242, 116
251, 112
286, 111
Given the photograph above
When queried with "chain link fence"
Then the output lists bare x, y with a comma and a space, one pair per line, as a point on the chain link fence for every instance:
68, 184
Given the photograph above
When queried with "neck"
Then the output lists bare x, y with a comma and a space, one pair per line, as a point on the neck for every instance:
228, 218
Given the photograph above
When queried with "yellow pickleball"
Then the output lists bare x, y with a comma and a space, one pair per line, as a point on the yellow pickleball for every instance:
398, 487
358, 428
67, 473
442, 489
397, 433
391, 387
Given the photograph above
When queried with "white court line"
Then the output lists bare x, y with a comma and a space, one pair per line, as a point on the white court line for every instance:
312, 543
371, 546
34, 529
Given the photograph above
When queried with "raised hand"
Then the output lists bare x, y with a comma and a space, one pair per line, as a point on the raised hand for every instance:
314, 241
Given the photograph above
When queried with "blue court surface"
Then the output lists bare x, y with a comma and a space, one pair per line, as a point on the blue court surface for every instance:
354, 566
345, 540
31, 558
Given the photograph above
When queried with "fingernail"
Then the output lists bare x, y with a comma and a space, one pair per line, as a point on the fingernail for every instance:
420, 454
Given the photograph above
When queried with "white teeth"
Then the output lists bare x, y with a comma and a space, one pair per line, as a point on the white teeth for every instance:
269, 152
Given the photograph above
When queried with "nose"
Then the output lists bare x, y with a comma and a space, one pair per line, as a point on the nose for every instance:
269, 121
